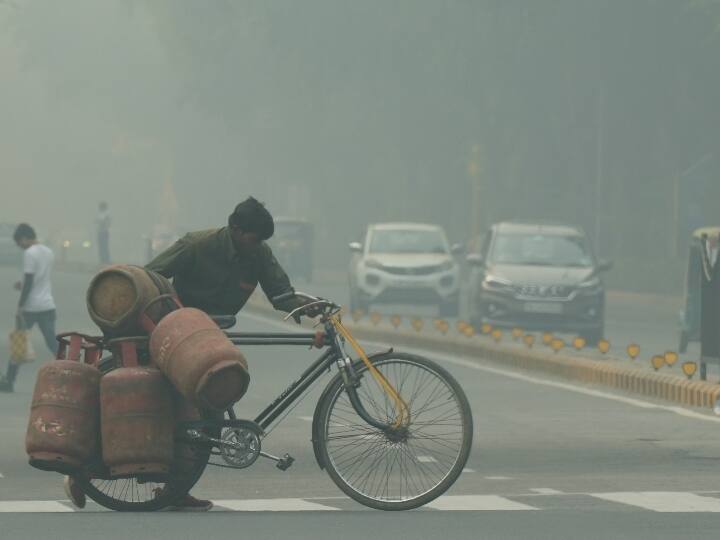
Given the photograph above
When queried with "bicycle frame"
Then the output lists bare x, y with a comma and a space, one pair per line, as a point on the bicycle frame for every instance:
336, 334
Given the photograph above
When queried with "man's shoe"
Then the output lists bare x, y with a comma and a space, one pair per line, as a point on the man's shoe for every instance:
5, 385
74, 492
191, 504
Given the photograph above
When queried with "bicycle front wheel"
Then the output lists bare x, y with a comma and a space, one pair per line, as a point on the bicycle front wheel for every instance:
389, 470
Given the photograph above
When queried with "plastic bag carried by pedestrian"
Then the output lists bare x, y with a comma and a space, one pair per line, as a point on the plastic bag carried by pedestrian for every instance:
21, 348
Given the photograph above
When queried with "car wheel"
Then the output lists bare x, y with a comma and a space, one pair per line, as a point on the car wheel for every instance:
449, 309
593, 335
355, 303
684, 340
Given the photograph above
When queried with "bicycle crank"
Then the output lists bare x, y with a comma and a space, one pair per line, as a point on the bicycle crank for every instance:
240, 447
283, 463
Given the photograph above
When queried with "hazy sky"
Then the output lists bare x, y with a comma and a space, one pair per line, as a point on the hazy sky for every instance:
350, 112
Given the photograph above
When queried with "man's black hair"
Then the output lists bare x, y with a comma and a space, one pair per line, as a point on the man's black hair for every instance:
251, 216
24, 231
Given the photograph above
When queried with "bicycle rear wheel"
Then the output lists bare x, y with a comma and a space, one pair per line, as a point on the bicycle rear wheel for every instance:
149, 493
391, 471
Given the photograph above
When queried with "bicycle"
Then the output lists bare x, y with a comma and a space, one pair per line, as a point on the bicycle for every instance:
393, 430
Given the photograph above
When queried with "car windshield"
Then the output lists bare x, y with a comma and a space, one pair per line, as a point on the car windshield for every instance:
408, 241
541, 250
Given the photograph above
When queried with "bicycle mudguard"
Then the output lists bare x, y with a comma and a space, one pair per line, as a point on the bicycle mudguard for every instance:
316, 416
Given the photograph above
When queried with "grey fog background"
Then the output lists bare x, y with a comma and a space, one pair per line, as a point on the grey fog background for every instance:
603, 114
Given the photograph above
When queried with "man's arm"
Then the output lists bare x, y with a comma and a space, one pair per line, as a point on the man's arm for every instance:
26, 288
172, 260
274, 281
29, 269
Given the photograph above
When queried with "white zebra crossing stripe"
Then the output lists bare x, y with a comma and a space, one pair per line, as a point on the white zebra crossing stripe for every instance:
272, 505
33, 506
546, 491
476, 502
655, 501
664, 501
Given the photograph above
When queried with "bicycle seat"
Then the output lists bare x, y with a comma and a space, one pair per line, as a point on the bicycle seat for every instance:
224, 321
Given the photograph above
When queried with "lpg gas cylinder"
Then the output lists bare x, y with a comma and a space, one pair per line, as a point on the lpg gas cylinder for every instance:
62, 430
136, 421
119, 296
199, 359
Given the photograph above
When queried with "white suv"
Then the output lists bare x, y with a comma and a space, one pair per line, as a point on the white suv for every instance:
404, 263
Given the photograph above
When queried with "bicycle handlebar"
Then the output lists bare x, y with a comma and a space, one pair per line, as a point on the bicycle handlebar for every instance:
293, 294
312, 301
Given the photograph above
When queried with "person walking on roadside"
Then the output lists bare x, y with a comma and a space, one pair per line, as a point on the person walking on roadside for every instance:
102, 223
36, 305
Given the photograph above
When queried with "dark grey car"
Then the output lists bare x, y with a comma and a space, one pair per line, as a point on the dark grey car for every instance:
538, 277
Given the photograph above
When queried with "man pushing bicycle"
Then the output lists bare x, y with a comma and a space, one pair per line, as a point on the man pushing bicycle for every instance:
216, 271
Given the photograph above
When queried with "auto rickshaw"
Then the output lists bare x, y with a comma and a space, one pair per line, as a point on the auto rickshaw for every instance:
690, 316
292, 245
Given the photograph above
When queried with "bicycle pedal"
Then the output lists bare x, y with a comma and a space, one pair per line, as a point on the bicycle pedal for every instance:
285, 462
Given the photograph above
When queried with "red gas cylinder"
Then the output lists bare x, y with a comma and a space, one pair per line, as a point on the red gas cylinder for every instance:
136, 419
62, 431
119, 296
199, 359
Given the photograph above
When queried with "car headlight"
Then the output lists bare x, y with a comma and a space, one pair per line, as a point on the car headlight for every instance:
370, 263
496, 283
590, 283
590, 286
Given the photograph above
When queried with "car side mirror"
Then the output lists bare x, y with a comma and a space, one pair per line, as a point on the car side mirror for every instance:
604, 265
474, 259
457, 249
355, 247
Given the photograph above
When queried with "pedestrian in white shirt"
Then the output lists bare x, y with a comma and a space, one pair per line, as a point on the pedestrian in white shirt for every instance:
36, 303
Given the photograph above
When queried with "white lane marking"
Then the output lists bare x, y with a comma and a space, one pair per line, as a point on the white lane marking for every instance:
498, 478
272, 505
468, 470
663, 501
536, 380
476, 502
2, 475
546, 491
306, 418
33, 506
426, 459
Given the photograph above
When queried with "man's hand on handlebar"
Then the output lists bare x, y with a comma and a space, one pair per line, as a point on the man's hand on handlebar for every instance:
308, 308
305, 304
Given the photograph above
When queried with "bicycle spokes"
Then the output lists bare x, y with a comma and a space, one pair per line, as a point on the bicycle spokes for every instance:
405, 463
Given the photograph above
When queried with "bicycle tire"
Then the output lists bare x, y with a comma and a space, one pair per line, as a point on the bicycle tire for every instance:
444, 459
114, 496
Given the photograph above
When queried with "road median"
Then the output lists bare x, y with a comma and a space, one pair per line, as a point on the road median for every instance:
646, 383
